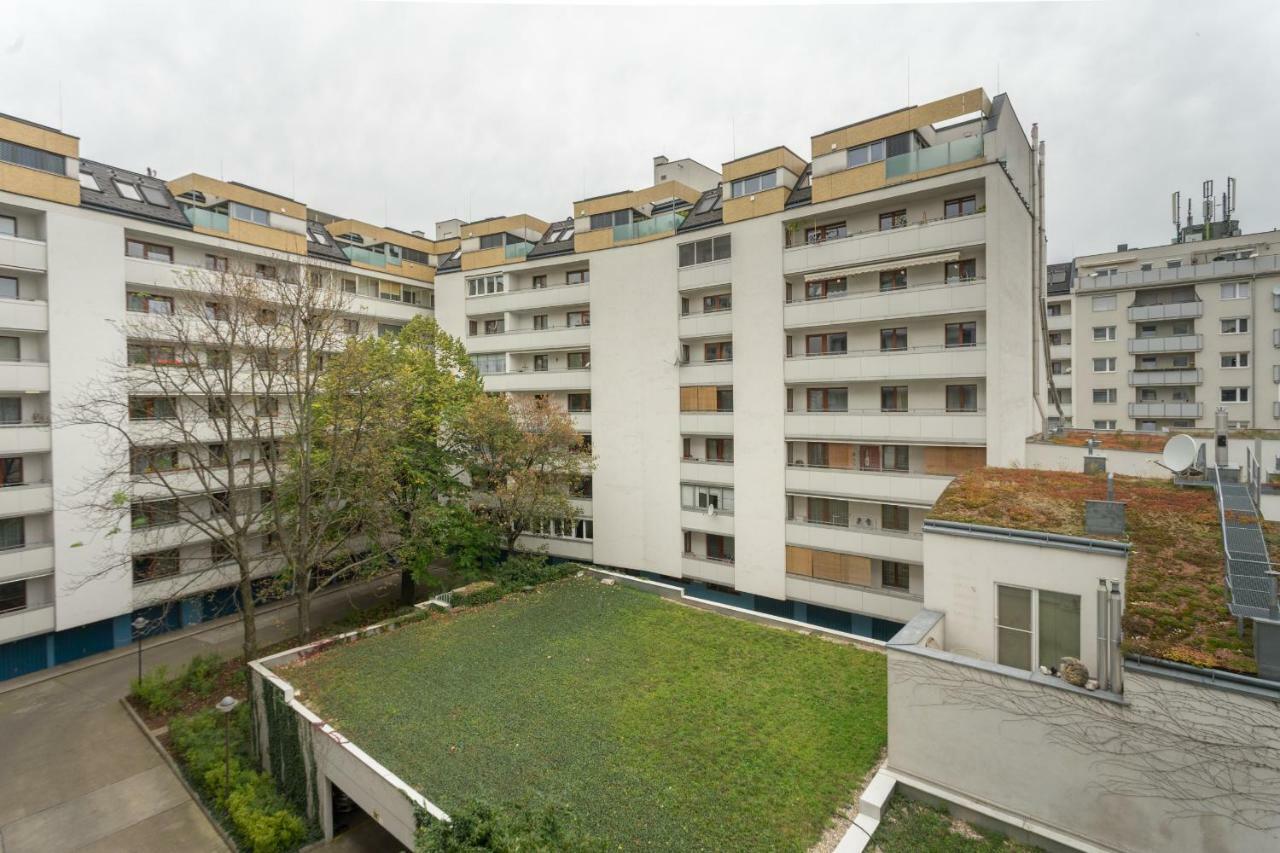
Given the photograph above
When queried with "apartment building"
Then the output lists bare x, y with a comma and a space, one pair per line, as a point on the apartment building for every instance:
1059, 279
1159, 338
86, 249
779, 364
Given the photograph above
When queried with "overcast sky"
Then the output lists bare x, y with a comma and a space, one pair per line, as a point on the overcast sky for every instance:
409, 113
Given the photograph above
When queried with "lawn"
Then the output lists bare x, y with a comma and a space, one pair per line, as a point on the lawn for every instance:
912, 827
661, 727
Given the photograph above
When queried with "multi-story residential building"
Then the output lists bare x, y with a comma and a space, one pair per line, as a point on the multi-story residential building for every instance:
84, 248
779, 365
1159, 338
1057, 340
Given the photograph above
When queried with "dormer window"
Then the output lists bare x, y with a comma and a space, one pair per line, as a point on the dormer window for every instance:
609, 220
245, 213
753, 184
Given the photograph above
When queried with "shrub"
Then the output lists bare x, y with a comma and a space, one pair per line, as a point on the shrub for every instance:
201, 674
154, 691
479, 827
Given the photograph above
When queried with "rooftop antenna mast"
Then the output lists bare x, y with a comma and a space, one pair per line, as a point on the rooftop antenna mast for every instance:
1177, 213
1207, 207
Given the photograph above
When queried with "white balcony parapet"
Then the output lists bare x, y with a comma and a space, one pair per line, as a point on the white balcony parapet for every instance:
706, 471
696, 567
707, 324
901, 487
34, 558
903, 546
1187, 274
1167, 311
16, 624
25, 377
518, 340
538, 380
26, 498
1189, 376
1168, 343
566, 295
25, 438
24, 315
707, 373
921, 425
960, 297
22, 253
1166, 410
868, 246
910, 363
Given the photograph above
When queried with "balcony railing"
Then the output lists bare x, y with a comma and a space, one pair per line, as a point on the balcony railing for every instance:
1166, 410
1167, 311
517, 250
660, 224
365, 256
933, 157
1262, 265
203, 217
1189, 376
1169, 343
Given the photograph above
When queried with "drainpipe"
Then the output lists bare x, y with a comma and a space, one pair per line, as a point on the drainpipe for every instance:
1038, 283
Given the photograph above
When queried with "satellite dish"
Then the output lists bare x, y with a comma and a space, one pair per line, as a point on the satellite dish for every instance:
1179, 453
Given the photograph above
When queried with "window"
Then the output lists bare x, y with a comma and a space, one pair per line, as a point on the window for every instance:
894, 457
215, 312
8, 225
1235, 395
720, 547
1104, 303
893, 339
351, 327
146, 303
152, 459
245, 213
10, 348
893, 219
695, 496
895, 517
11, 471
827, 399
574, 319
154, 513
962, 334
148, 251
825, 288
218, 359
127, 190
823, 233
10, 410
1036, 627
539, 282
753, 184
724, 399
893, 280
539, 322
267, 271
719, 449
582, 360
13, 596
962, 398
162, 356
893, 398
1104, 395
485, 284
956, 271
152, 408
495, 363
860, 155
1104, 365
155, 196
266, 407
1147, 395
954, 207
1178, 361
267, 317
895, 575
607, 220
266, 360
158, 564
580, 402
717, 351
718, 302
1235, 326
1234, 290
577, 277
1054, 310
348, 285
217, 407
1235, 359
8, 287
1104, 333
704, 251
1104, 424
12, 533
494, 327
827, 511
831, 342
89, 182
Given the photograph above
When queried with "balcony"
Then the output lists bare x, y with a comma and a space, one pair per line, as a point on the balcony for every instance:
538, 380
516, 251
921, 425
707, 325
368, 257
203, 217
897, 605
1192, 376
961, 297
923, 362
1059, 352
705, 522
23, 254
663, 223
1168, 311
1062, 380
706, 423
24, 315
1189, 274
707, 373
27, 377
1166, 410
870, 246
26, 499
567, 549
564, 295
521, 340
705, 471
1059, 322
581, 421
704, 275
26, 560
934, 157
707, 569
24, 438
866, 541
1169, 343
897, 487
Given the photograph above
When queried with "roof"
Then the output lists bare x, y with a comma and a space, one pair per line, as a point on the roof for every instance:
37, 125
110, 200
1175, 599
548, 248
1059, 278
452, 263
712, 212
323, 248
802, 192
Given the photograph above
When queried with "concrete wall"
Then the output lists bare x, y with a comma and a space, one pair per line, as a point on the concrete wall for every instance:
1179, 765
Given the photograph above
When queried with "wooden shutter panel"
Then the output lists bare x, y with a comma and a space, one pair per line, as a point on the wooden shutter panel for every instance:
688, 399
953, 460
799, 561
828, 566
707, 398
840, 455
857, 570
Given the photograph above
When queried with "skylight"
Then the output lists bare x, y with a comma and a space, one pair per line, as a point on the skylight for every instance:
321, 238
568, 232
128, 191
89, 182
155, 195
552, 237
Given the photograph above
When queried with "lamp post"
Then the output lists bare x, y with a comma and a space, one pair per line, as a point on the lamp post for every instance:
225, 706
139, 625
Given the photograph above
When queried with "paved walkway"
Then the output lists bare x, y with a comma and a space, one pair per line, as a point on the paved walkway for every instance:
75, 772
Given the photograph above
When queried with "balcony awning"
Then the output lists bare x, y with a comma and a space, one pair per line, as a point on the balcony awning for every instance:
941, 257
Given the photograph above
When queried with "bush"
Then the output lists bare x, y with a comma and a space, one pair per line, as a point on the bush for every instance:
201, 674
154, 691
478, 827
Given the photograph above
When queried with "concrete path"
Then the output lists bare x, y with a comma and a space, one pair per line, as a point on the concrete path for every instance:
75, 772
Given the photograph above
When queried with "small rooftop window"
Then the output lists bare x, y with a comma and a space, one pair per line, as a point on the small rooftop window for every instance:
193, 195
708, 201
567, 235
155, 195
552, 236
128, 191
320, 237
89, 182
352, 238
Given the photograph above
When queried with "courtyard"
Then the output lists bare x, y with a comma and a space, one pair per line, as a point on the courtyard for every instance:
657, 726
